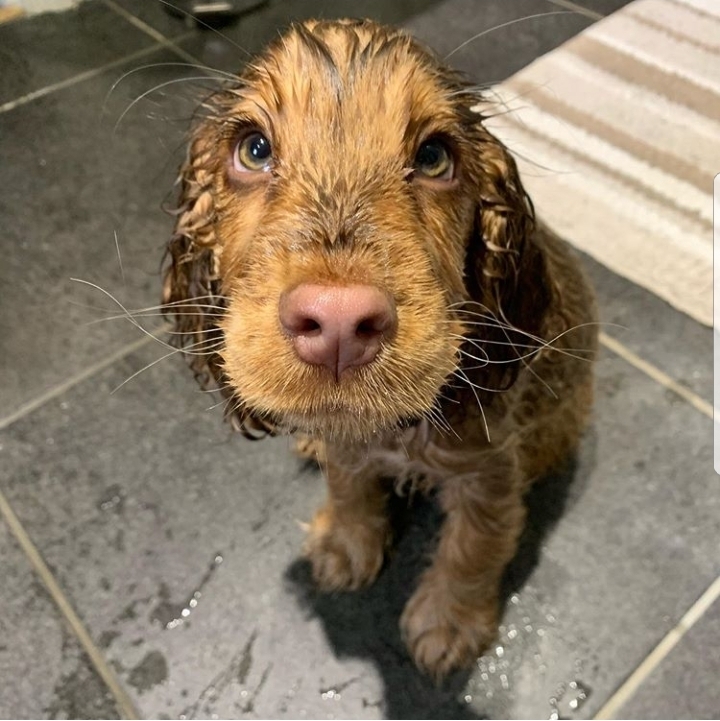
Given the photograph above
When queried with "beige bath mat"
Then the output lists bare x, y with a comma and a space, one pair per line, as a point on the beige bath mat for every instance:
617, 134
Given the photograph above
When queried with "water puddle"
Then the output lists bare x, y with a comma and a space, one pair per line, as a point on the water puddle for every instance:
516, 670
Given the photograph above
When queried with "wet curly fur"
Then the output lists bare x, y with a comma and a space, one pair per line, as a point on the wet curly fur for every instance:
486, 383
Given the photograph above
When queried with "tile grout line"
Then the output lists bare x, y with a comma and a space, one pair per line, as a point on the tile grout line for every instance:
657, 375
125, 704
69, 82
59, 389
153, 33
133, 20
569, 5
628, 688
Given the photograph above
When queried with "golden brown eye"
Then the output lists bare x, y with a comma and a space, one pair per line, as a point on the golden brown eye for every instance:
252, 154
434, 160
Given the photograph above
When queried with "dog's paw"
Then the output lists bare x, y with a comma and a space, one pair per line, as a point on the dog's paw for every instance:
345, 555
442, 633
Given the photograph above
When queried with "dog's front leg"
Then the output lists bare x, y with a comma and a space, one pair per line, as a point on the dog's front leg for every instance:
453, 615
347, 538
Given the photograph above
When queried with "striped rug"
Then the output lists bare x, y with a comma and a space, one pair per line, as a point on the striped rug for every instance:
617, 134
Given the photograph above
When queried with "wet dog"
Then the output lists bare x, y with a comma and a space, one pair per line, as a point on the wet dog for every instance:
355, 261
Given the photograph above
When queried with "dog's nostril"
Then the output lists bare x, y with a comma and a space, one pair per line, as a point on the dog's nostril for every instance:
308, 326
369, 327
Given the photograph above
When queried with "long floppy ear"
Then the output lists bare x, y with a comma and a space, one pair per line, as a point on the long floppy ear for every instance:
192, 295
506, 273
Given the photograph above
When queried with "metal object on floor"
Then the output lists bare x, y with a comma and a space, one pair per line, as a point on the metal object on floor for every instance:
211, 11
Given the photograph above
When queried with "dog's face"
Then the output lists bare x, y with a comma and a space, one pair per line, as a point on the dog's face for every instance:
344, 201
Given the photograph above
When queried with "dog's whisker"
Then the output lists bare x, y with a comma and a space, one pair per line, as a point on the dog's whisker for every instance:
223, 76
520, 357
446, 424
505, 25
437, 420
124, 316
463, 376
484, 361
219, 389
448, 399
162, 310
480, 342
144, 368
224, 402
159, 86
541, 343
119, 256
117, 302
183, 332
131, 318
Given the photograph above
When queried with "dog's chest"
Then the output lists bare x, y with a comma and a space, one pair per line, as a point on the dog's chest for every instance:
413, 457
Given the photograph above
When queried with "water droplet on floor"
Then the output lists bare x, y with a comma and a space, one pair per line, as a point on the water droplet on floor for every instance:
579, 696
569, 698
171, 615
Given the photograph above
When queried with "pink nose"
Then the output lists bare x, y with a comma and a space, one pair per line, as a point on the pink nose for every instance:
339, 327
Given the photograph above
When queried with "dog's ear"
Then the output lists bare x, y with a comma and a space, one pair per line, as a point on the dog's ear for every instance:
506, 274
192, 293
191, 297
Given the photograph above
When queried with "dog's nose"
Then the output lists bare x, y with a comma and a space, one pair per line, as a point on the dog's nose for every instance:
339, 327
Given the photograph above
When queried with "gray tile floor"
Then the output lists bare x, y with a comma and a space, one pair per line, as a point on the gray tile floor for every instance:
174, 544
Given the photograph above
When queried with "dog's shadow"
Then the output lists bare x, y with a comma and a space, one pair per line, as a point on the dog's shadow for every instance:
364, 624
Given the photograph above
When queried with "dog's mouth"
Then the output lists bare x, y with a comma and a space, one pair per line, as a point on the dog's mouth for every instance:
355, 408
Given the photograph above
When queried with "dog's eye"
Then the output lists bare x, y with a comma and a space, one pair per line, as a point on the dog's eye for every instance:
253, 153
433, 160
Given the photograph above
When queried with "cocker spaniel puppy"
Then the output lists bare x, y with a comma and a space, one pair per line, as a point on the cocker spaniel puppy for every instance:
355, 261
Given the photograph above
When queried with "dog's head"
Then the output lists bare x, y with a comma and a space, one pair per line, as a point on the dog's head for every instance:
346, 222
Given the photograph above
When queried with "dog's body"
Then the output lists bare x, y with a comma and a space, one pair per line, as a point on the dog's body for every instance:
356, 261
